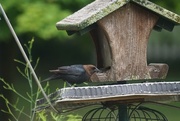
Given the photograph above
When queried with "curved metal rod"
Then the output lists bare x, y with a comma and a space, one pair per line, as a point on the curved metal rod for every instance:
111, 112
134, 109
96, 112
137, 114
155, 112
88, 113
102, 112
142, 103
146, 114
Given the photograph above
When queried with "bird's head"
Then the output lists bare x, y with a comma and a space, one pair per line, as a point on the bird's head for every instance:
91, 69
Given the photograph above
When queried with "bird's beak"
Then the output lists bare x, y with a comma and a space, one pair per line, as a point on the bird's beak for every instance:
97, 70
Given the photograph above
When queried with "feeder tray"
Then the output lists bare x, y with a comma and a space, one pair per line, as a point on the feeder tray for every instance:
75, 97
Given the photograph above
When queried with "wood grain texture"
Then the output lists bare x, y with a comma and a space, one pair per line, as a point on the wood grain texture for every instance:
158, 71
90, 14
164, 13
98, 9
127, 31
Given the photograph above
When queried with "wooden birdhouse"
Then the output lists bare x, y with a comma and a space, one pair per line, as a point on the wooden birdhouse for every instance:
120, 30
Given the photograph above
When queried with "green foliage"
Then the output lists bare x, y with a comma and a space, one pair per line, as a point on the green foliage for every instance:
40, 18
172, 5
30, 97
74, 118
18, 111
33, 17
13, 106
42, 116
74, 5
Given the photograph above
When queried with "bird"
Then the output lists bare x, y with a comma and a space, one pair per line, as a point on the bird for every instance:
73, 74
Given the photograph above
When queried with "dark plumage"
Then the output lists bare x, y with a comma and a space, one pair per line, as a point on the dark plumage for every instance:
74, 74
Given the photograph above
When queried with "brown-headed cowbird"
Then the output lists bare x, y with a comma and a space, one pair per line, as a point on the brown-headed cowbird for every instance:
74, 74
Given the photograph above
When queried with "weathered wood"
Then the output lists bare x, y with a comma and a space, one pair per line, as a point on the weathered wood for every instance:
158, 71
90, 14
164, 13
162, 23
83, 31
100, 8
99, 77
102, 48
124, 32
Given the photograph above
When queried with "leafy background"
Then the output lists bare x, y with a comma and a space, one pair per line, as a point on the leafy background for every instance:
32, 18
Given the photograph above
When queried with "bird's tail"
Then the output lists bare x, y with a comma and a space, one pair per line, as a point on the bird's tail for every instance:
53, 77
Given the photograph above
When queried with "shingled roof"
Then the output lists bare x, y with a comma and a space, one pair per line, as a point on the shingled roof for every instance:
98, 9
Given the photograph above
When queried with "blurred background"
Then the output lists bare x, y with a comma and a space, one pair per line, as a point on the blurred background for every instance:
37, 19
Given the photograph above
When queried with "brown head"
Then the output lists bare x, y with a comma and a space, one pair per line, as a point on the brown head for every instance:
91, 69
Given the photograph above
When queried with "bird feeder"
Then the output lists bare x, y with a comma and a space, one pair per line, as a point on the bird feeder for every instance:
120, 30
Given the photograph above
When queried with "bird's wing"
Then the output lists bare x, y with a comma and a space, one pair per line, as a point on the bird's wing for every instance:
75, 70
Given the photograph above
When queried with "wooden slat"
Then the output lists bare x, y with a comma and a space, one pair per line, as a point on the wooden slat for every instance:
90, 14
101, 8
175, 18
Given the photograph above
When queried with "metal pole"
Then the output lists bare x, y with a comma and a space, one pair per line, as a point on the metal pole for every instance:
122, 108
122, 112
